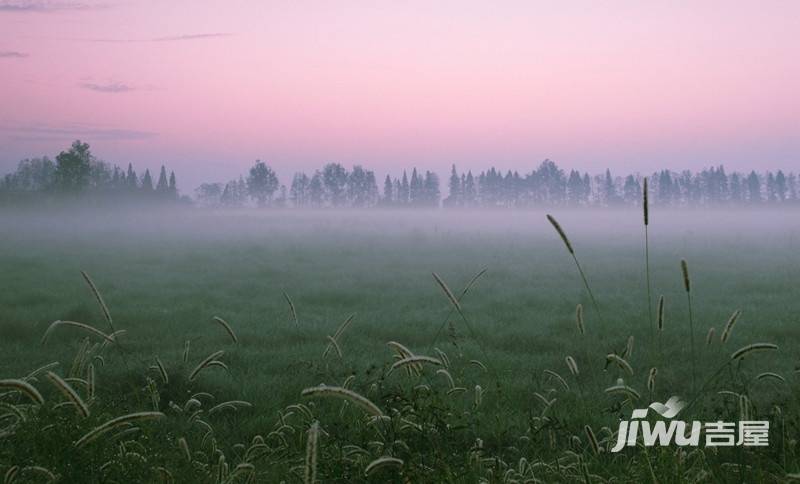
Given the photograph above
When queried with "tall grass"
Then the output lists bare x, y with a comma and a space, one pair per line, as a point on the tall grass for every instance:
419, 424
646, 213
687, 285
571, 251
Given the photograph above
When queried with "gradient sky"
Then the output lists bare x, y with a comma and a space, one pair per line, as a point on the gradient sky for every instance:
207, 87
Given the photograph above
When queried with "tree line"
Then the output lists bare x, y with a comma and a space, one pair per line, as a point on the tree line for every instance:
331, 186
547, 185
76, 172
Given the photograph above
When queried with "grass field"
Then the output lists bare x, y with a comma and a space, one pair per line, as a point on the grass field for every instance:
164, 276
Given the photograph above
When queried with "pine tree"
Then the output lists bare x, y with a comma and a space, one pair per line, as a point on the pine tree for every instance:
753, 188
430, 190
403, 198
131, 179
456, 193
388, 196
470, 193
780, 186
162, 187
147, 182
173, 187
415, 188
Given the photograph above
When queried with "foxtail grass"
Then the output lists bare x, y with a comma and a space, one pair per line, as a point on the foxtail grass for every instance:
751, 348
66, 389
333, 341
651, 381
458, 300
687, 285
579, 319
381, 463
114, 423
106, 312
205, 363
571, 251
228, 328
344, 394
457, 305
646, 213
592, 439
310, 476
726, 333
75, 324
660, 324
25, 388
292, 309
415, 360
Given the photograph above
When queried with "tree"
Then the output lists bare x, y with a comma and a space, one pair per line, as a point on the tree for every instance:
173, 187
209, 194
388, 192
280, 200
262, 183
147, 183
334, 178
780, 186
358, 187
403, 193
234, 194
736, 189
574, 188
37, 174
753, 188
454, 199
299, 190
771, 191
130, 179
372, 189
162, 187
470, 193
664, 188
632, 190
430, 190
610, 190
414, 188
73, 168
316, 190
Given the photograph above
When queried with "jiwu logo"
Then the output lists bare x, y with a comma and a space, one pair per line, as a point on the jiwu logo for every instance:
681, 433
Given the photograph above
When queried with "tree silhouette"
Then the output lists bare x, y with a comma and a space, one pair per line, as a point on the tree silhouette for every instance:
262, 183
73, 168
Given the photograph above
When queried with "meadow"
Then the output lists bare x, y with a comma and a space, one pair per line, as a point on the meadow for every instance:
506, 408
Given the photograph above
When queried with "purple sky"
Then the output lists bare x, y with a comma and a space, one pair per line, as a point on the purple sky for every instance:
207, 87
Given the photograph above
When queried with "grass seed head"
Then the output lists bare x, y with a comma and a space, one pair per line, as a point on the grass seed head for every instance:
561, 233
726, 333
579, 319
227, 327
687, 284
746, 350
645, 205
310, 476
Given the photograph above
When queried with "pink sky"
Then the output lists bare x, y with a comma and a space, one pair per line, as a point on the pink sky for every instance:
207, 87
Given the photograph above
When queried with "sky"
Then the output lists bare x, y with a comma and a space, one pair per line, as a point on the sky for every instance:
207, 87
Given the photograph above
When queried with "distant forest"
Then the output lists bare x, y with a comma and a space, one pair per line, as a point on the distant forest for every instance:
77, 173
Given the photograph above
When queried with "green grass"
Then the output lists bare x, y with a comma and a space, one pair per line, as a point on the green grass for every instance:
165, 276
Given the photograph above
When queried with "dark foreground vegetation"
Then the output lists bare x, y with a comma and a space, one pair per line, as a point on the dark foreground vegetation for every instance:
205, 338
